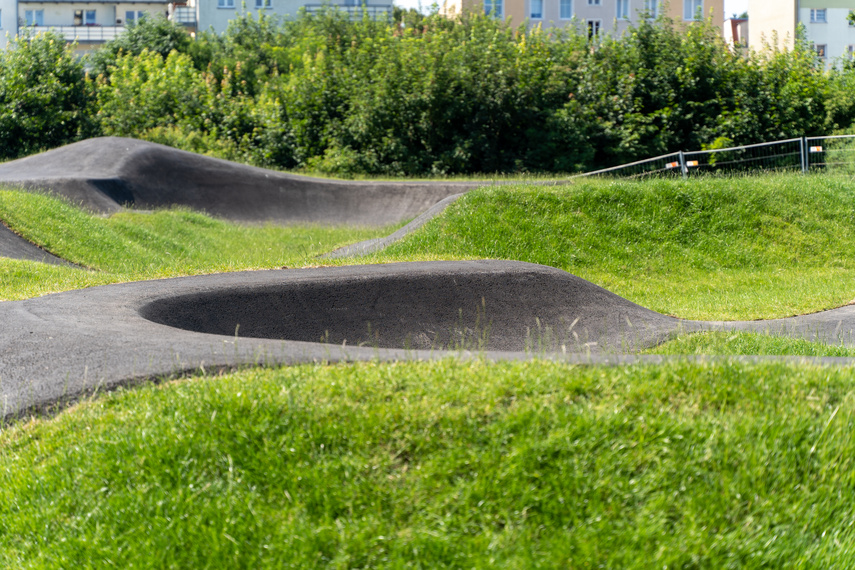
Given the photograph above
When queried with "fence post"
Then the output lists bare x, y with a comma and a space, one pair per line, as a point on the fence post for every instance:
683, 167
804, 153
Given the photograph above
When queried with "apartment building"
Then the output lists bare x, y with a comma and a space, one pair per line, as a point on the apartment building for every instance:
774, 23
88, 22
597, 16
93, 22
216, 14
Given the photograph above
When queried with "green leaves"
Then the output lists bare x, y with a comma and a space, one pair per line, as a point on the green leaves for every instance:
45, 100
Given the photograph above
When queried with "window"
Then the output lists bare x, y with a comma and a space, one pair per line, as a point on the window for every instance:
594, 2
651, 8
225, 3
493, 8
35, 17
693, 9
90, 18
850, 49
133, 17
263, 4
623, 9
820, 50
851, 19
594, 27
536, 9
818, 15
566, 9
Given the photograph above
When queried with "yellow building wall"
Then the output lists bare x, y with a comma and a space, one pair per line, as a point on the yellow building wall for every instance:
773, 23
714, 8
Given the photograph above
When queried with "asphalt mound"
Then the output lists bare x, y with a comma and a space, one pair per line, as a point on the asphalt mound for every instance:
14, 246
108, 173
481, 305
58, 347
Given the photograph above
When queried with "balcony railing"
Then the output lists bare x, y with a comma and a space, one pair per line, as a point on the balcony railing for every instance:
184, 15
82, 34
374, 11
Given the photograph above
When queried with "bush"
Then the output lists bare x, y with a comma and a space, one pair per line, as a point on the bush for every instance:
45, 100
429, 95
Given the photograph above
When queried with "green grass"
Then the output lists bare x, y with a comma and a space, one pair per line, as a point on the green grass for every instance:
132, 246
443, 464
744, 343
707, 248
466, 464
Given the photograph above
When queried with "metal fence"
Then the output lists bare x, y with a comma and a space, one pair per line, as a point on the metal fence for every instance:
805, 154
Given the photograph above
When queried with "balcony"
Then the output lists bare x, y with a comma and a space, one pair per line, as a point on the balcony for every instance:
184, 15
374, 11
82, 34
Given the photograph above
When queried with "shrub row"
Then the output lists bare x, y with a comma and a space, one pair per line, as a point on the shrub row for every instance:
419, 95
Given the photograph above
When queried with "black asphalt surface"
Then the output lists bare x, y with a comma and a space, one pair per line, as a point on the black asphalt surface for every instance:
63, 345
108, 173
15, 247
60, 346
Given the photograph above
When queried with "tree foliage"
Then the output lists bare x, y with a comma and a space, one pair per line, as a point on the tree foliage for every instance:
430, 95
45, 100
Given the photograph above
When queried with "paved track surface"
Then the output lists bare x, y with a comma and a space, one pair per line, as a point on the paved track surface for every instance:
108, 173
372, 245
60, 346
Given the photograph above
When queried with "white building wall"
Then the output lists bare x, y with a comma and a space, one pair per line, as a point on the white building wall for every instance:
835, 33
211, 15
8, 22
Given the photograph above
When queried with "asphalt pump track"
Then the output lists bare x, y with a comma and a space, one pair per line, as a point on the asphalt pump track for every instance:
58, 347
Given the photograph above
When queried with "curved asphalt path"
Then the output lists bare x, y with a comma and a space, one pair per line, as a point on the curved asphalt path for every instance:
64, 345
61, 346
14, 246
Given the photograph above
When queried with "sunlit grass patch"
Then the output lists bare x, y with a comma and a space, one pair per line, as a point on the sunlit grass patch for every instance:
130, 246
705, 248
442, 464
746, 343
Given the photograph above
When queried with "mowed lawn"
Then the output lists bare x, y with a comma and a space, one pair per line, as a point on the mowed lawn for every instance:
457, 463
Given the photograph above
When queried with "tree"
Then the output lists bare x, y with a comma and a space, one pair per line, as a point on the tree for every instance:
45, 99
155, 34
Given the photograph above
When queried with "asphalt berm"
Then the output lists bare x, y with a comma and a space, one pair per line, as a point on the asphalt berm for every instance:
60, 346
107, 174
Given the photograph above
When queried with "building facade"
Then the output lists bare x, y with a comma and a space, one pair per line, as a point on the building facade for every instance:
93, 22
206, 15
89, 23
774, 24
597, 16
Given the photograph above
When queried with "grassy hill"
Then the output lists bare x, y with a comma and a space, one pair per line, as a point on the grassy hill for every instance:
708, 248
465, 463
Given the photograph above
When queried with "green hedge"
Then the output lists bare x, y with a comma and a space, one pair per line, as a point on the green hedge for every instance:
429, 95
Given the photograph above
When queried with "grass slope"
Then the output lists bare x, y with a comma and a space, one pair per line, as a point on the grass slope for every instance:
444, 464
706, 248
132, 246
465, 464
